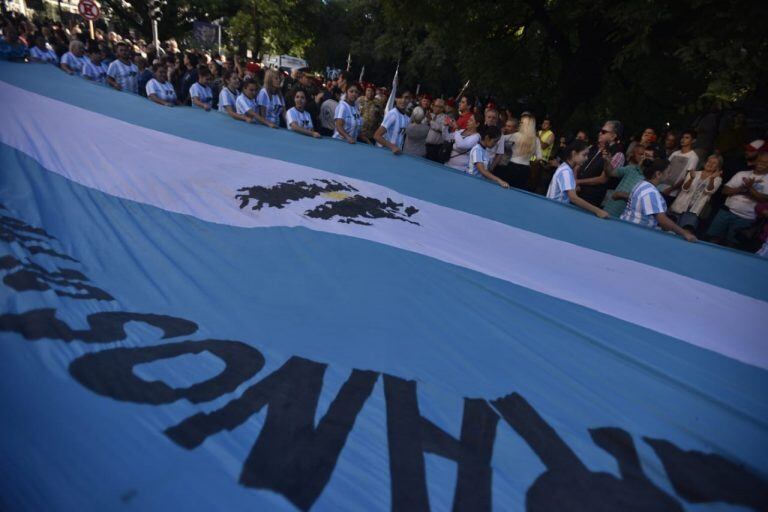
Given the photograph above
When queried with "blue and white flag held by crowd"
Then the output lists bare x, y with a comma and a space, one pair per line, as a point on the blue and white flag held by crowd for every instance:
204, 314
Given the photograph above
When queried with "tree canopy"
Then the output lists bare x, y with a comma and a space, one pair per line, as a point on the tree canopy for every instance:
577, 61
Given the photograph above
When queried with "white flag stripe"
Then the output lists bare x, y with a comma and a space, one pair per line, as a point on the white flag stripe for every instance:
201, 180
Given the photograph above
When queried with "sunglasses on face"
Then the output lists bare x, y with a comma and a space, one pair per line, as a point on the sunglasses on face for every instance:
604, 131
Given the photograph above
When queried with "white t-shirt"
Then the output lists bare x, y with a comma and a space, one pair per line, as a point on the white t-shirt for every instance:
395, 124
46, 55
273, 105
351, 118
126, 75
679, 165
164, 90
462, 145
243, 104
227, 98
73, 63
202, 93
742, 204
301, 118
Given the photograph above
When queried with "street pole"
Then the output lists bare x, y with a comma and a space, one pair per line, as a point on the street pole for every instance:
155, 36
219, 39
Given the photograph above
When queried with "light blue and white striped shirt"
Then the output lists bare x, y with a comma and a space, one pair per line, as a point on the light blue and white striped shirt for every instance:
395, 124
645, 202
478, 155
273, 105
227, 98
303, 119
73, 63
243, 104
562, 181
94, 72
350, 115
126, 75
46, 55
202, 92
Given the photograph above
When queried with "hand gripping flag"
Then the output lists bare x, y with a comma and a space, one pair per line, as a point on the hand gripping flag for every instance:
202, 314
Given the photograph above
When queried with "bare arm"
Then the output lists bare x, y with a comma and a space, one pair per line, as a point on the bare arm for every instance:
261, 116
196, 101
581, 203
379, 137
234, 115
296, 127
111, 81
154, 97
66, 69
668, 224
487, 175
339, 123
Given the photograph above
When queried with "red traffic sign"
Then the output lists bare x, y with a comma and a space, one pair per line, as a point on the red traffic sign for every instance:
88, 10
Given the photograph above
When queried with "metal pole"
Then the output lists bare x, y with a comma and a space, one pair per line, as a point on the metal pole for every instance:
155, 36
219, 39
93, 34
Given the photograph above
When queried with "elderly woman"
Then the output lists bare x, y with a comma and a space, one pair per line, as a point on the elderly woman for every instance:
696, 192
416, 134
73, 61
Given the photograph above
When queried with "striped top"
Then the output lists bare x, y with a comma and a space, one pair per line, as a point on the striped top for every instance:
645, 202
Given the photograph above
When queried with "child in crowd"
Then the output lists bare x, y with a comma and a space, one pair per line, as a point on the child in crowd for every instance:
480, 157
647, 207
200, 94
562, 188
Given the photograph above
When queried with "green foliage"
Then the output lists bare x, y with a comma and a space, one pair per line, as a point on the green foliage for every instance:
646, 60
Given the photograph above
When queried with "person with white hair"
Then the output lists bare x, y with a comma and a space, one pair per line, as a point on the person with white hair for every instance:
73, 61
416, 134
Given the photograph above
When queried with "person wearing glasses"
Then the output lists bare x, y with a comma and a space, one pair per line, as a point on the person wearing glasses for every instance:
122, 74
347, 117
602, 158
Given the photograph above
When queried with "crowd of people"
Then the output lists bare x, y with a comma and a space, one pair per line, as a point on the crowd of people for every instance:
718, 191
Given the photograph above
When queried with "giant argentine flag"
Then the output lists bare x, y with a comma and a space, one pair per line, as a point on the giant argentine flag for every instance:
201, 314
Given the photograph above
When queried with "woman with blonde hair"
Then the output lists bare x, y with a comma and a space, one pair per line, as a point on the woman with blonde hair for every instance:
525, 145
270, 100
